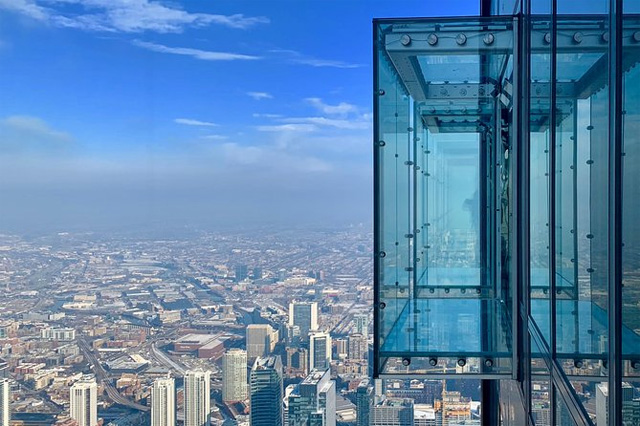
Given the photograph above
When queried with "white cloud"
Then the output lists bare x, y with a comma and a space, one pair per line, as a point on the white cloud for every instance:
319, 63
25, 7
23, 133
215, 137
342, 108
296, 57
192, 122
345, 124
260, 95
288, 128
129, 16
205, 55
266, 115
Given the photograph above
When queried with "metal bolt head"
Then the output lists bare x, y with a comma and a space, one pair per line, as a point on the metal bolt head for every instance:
462, 362
405, 40
406, 362
578, 363
382, 254
461, 39
635, 364
636, 36
605, 37
432, 39
488, 39
578, 37
547, 38
488, 362
433, 362
382, 305
381, 92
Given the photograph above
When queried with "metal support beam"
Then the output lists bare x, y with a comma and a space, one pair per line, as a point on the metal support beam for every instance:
615, 212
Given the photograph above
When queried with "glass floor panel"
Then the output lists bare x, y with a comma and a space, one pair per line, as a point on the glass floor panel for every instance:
449, 327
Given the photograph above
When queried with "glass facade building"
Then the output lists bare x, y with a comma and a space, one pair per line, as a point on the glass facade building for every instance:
507, 184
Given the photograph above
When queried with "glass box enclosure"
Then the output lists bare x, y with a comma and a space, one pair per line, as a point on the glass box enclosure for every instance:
499, 157
444, 107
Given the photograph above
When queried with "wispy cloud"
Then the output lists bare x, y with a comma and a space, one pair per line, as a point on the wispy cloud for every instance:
192, 122
266, 115
346, 124
342, 108
205, 55
295, 127
260, 95
215, 137
23, 134
129, 16
296, 57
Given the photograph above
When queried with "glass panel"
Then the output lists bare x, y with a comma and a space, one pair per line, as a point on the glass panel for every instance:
440, 216
394, 174
540, 388
582, 7
563, 418
581, 196
540, 111
631, 205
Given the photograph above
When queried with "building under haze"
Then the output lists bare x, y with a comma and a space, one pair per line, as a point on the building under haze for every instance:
361, 324
313, 401
261, 340
319, 350
5, 402
392, 412
304, 315
364, 402
234, 375
84, 402
197, 398
163, 402
506, 190
266, 392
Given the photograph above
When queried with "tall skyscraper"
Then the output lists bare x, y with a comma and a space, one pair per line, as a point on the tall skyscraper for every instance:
242, 272
361, 322
319, 351
342, 348
358, 347
5, 402
197, 398
84, 402
364, 401
392, 412
266, 392
163, 402
261, 340
304, 315
629, 416
234, 375
313, 401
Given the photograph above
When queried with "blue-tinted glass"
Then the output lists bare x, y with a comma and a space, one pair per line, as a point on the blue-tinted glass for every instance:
440, 210
540, 111
631, 205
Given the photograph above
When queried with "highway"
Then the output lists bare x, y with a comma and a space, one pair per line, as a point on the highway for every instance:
164, 359
102, 376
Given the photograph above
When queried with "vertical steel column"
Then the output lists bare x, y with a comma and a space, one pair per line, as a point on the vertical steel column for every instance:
615, 212
552, 203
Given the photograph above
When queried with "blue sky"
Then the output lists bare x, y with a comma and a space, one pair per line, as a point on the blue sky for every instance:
229, 113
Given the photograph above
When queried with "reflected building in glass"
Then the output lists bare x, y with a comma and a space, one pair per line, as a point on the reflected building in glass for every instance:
507, 184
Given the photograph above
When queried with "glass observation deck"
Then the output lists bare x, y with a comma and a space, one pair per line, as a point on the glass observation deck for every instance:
449, 101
